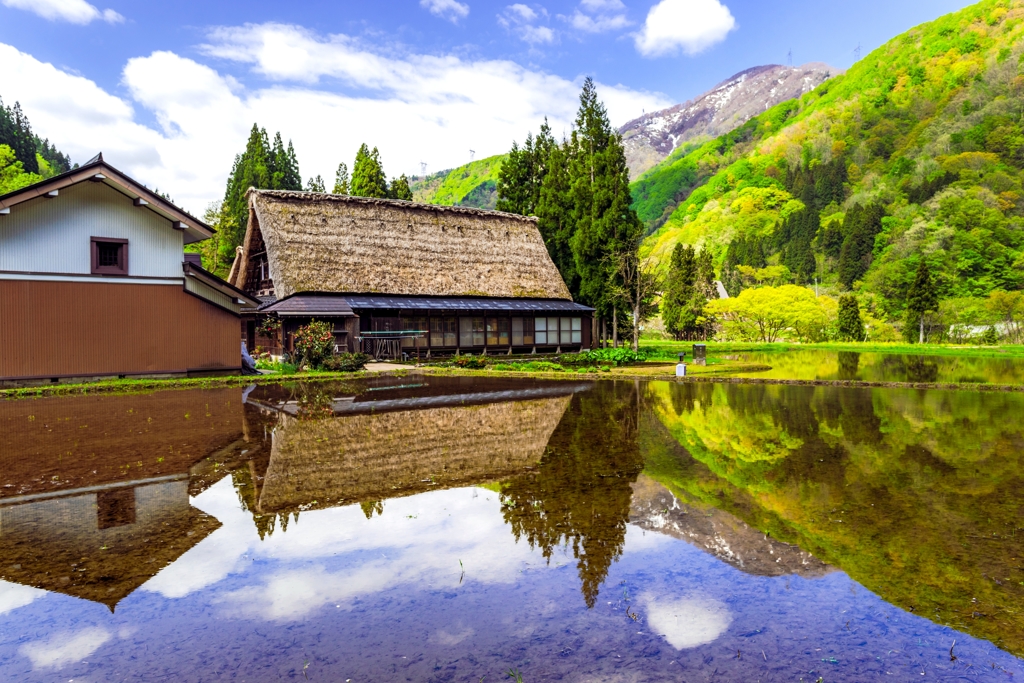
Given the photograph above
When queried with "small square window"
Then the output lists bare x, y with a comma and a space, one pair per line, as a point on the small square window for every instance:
109, 256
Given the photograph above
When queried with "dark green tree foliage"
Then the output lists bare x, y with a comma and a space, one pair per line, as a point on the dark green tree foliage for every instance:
400, 189
605, 224
264, 167
794, 238
16, 133
861, 226
315, 184
679, 290
522, 174
555, 215
830, 239
368, 179
743, 251
922, 299
851, 327
285, 167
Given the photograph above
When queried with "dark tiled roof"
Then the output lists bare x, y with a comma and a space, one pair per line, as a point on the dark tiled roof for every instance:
311, 304
363, 301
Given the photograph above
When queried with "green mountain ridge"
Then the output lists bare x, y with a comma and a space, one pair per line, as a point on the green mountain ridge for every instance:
474, 184
917, 151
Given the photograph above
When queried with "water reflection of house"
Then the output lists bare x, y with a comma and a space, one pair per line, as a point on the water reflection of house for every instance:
94, 491
391, 444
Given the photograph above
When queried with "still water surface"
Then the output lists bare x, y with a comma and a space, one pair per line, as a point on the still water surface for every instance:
459, 529
885, 367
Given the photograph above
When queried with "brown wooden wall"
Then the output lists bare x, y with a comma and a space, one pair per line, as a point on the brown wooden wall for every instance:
67, 329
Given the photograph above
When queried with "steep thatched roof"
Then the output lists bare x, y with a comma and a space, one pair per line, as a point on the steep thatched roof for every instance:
362, 458
335, 243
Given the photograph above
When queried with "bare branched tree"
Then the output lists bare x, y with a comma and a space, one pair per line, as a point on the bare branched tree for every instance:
636, 283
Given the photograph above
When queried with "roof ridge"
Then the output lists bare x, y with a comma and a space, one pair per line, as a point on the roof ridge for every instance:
345, 198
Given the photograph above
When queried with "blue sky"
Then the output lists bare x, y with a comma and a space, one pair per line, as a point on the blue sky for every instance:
169, 90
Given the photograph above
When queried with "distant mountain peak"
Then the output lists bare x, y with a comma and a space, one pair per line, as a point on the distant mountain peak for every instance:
728, 105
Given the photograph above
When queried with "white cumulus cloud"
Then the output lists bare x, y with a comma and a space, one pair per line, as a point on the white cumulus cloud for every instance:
688, 25
65, 648
328, 94
446, 9
74, 11
521, 20
598, 16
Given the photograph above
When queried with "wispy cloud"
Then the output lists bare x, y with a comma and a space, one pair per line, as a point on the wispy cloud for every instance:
598, 16
74, 11
522, 20
691, 26
452, 10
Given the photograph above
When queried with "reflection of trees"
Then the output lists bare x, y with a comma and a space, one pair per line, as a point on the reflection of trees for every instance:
849, 365
579, 495
914, 494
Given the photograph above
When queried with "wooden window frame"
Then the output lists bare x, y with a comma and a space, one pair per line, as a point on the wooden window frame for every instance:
122, 256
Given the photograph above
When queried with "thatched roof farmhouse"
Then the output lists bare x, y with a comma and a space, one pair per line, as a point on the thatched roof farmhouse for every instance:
398, 275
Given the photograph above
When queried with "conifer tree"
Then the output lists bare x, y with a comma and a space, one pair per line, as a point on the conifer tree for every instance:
315, 184
400, 189
922, 298
252, 168
679, 290
851, 327
860, 226
606, 227
555, 215
341, 179
16, 133
368, 179
521, 176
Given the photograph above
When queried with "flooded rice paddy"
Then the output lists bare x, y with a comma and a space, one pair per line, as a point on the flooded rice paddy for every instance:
814, 364
446, 529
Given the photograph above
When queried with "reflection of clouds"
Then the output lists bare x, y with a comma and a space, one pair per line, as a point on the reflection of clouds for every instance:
13, 596
418, 541
65, 648
689, 621
446, 637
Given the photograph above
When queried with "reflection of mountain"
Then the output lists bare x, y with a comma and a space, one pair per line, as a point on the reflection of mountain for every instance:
580, 493
718, 533
95, 490
914, 494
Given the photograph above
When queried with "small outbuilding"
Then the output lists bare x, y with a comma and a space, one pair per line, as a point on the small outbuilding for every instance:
94, 282
398, 277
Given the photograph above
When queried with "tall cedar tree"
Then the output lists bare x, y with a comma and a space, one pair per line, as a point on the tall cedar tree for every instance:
605, 224
400, 189
263, 166
521, 176
679, 290
922, 298
341, 179
555, 216
368, 179
851, 327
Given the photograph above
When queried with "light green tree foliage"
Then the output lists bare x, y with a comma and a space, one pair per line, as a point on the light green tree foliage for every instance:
769, 313
12, 172
400, 189
341, 179
1008, 307
368, 179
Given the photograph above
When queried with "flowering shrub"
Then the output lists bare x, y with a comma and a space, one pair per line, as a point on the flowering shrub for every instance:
268, 327
314, 343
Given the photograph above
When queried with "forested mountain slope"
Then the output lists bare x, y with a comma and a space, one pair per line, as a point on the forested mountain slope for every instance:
474, 184
731, 103
916, 152
24, 157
